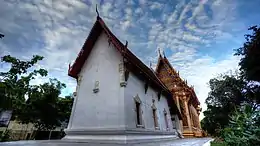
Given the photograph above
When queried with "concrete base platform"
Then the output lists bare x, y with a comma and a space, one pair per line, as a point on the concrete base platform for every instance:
177, 142
119, 136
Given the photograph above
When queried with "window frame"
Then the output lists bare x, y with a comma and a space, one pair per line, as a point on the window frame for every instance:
166, 120
139, 112
155, 117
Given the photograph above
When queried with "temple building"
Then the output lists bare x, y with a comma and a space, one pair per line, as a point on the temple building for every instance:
183, 95
118, 98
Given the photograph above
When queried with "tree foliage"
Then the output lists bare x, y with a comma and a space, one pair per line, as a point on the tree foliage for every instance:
243, 128
250, 52
250, 63
42, 105
14, 84
44, 108
228, 92
65, 107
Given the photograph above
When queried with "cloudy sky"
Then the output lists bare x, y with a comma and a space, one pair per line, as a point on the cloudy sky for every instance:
197, 36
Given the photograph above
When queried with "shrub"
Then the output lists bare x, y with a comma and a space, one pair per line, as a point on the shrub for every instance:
5, 136
243, 129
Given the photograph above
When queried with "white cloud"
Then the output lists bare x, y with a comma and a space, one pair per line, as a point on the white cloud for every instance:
142, 2
130, 2
156, 5
138, 10
58, 29
125, 25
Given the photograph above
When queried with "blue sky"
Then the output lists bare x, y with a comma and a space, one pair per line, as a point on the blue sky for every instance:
198, 36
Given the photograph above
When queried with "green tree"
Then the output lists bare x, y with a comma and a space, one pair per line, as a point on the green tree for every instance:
226, 93
243, 128
14, 84
42, 107
250, 52
250, 63
64, 108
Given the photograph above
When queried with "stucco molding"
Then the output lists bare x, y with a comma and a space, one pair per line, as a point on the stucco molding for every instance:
117, 131
153, 107
164, 111
96, 87
137, 99
123, 75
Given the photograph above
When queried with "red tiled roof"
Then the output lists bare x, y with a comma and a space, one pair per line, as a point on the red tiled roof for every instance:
96, 30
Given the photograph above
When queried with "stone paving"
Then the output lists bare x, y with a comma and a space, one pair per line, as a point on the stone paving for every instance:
177, 142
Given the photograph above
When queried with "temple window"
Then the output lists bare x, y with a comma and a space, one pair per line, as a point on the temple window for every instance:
155, 118
139, 123
138, 117
173, 121
166, 120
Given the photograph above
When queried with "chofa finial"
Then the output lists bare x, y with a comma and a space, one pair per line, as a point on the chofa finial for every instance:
159, 51
163, 54
2, 35
97, 10
126, 43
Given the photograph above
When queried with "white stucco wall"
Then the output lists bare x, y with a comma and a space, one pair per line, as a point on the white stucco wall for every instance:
104, 109
136, 86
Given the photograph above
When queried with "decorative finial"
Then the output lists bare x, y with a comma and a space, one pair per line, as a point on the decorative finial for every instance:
163, 54
97, 10
126, 43
1, 35
159, 51
69, 67
150, 64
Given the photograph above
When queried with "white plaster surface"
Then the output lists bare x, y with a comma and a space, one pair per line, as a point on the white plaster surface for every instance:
104, 109
135, 87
